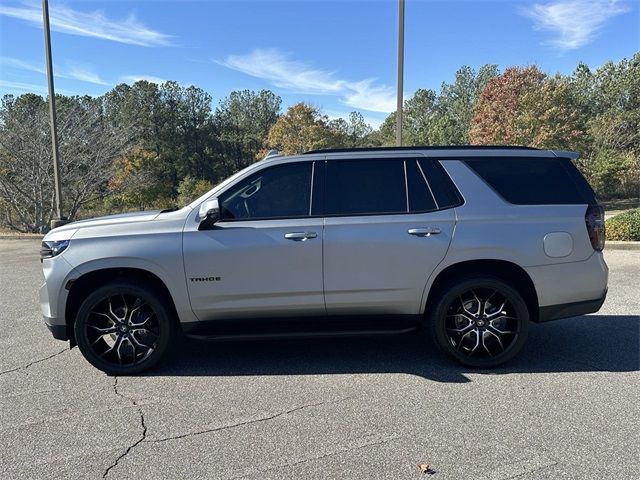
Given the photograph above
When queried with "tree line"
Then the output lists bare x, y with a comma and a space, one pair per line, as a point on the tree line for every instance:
151, 145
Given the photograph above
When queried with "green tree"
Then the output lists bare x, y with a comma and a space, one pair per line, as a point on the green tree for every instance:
351, 133
173, 121
242, 123
456, 102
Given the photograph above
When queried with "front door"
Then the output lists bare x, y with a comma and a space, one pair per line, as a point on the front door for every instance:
264, 258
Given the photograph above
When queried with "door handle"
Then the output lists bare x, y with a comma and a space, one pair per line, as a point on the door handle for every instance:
424, 232
300, 235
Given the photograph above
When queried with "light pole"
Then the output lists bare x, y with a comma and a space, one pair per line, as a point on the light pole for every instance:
59, 220
400, 72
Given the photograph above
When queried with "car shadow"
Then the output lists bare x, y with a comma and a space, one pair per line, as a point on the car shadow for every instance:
590, 343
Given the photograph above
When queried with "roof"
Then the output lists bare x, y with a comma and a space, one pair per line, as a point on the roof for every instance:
421, 147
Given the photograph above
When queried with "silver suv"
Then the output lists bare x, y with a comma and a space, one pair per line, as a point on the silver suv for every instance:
471, 243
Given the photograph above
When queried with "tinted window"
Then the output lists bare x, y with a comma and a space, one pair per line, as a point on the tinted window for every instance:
443, 189
529, 181
420, 196
365, 187
280, 191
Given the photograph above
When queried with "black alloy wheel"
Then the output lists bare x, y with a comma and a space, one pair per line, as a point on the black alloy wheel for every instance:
480, 321
123, 328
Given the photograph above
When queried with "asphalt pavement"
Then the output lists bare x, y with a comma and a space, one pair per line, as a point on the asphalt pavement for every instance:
364, 408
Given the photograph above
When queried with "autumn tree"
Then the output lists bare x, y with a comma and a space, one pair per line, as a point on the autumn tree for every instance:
525, 107
302, 128
139, 181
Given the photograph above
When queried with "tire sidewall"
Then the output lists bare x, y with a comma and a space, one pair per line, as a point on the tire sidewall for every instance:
161, 310
451, 292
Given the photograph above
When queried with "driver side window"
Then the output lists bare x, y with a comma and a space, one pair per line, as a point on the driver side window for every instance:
281, 191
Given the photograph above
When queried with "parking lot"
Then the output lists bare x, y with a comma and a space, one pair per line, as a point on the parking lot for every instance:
568, 406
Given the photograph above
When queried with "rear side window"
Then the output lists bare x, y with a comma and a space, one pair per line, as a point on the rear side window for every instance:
421, 198
444, 191
365, 187
534, 181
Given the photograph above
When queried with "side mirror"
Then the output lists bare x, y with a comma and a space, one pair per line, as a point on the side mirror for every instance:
210, 210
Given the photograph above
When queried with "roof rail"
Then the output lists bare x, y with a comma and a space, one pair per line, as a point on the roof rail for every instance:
425, 147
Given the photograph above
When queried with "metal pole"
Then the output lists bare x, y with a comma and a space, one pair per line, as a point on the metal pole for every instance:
400, 72
59, 220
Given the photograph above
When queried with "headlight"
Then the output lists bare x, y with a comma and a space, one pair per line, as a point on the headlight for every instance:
53, 248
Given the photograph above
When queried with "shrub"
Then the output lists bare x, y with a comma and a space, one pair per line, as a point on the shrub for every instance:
624, 226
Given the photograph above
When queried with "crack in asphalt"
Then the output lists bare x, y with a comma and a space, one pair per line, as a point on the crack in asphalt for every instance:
24, 367
320, 457
142, 424
248, 422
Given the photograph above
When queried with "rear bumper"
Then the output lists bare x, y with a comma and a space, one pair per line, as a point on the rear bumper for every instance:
565, 310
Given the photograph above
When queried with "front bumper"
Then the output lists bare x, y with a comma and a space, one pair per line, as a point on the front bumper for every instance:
57, 326
59, 332
53, 295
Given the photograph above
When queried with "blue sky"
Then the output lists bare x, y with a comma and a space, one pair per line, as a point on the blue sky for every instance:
337, 55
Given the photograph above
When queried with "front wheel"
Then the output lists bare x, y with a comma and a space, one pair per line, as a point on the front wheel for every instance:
124, 329
480, 321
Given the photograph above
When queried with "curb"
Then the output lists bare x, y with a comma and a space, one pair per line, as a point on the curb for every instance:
621, 245
21, 237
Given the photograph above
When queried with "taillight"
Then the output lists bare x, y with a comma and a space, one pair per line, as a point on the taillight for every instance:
594, 218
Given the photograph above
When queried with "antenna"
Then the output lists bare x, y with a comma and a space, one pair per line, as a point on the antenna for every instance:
271, 153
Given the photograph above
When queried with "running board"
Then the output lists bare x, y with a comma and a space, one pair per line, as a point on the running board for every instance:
261, 329
298, 335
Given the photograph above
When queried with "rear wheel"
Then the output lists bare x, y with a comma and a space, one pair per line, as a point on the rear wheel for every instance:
480, 321
124, 329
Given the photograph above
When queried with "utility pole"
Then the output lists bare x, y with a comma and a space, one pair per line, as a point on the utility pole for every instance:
59, 220
400, 72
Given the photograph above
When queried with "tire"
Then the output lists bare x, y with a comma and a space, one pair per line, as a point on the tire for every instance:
462, 328
124, 329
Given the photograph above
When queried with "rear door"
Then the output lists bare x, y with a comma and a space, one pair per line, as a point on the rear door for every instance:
385, 232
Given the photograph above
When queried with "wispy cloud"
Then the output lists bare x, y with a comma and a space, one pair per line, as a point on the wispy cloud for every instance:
84, 74
137, 78
573, 23
21, 65
23, 87
278, 69
89, 24
71, 71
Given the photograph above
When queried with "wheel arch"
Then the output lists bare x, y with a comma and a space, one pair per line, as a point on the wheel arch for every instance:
82, 286
507, 271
